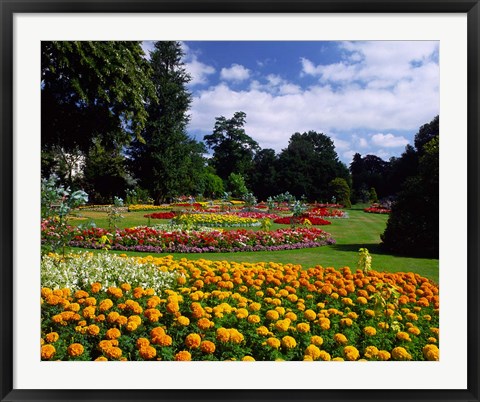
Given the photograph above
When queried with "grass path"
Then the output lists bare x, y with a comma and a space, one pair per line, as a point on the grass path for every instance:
359, 230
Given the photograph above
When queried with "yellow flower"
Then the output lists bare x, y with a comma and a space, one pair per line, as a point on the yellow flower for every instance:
248, 359
223, 335
291, 315
316, 340
362, 300
253, 319
183, 356
193, 341
371, 352
303, 327
112, 317
400, 353
47, 351
105, 305
272, 315
262, 331
312, 351
370, 331
431, 352
75, 349
147, 352
289, 342
282, 325
324, 323
346, 321
414, 330
184, 321
254, 306
101, 359
383, 355
370, 313
351, 353
273, 343
338, 359
207, 347
324, 356
89, 312
340, 338
310, 315
142, 342
403, 336
235, 336
52, 337
113, 333
93, 329
242, 313
114, 352
96, 287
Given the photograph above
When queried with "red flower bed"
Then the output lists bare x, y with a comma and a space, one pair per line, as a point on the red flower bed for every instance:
376, 210
160, 215
301, 220
322, 212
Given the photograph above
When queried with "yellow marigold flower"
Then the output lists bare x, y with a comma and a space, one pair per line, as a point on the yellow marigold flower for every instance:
89, 312
371, 352
90, 301
312, 351
254, 306
383, 355
427, 317
338, 359
52, 337
47, 352
316, 340
75, 349
193, 341
400, 353
162, 340
347, 301
113, 333
340, 338
100, 318
351, 353
114, 352
138, 292
131, 326
183, 356
153, 302
116, 292
147, 352
101, 359
303, 327
412, 317
352, 315
223, 335
242, 313
80, 294
292, 298
248, 359
204, 323
370, 313
432, 340
182, 320
403, 336
207, 347
324, 356
272, 315
73, 307
324, 323
96, 287
307, 358
346, 321
291, 315
310, 315
135, 318
383, 325
126, 287
280, 310
142, 342
435, 331
105, 305
46, 292
282, 325
235, 336
370, 331
431, 352
112, 317
93, 329
334, 295
362, 300
289, 342
253, 319
273, 343
262, 331
414, 330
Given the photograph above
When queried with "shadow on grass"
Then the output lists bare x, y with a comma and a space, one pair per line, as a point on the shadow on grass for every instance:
373, 248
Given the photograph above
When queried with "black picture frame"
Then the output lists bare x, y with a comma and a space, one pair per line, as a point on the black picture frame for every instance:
10, 7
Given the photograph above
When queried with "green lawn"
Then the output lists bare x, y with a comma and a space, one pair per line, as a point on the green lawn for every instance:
359, 230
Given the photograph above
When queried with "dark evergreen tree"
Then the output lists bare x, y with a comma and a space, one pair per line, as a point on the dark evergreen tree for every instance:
168, 163
263, 178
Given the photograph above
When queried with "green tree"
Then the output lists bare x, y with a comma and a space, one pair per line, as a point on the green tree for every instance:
236, 185
341, 191
308, 165
168, 163
88, 90
233, 149
373, 195
263, 178
212, 184
413, 225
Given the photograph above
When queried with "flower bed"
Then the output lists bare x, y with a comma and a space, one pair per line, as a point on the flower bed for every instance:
377, 210
312, 220
220, 310
152, 240
217, 220
148, 207
160, 215
325, 212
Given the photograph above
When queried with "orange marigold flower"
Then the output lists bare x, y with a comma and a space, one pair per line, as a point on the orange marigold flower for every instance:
47, 352
262, 331
93, 329
340, 338
272, 315
383, 355
112, 317
273, 343
207, 347
193, 341
90, 301
316, 340
105, 305
131, 326
253, 319
403, 336
142, 342
370, 313
351, 353
116, 292
75, 349
235, 336
183, 356
89, 312
105, 344
114, 352
370, 331
73, 307
303, 327
282, 325
400, 353
324, 356
113, 333
96, 287
80, 294
414, 330
432, 340
52, 337
289, 342
101, 359
162, 340
310, 315
313, 351
126, 287
147, 352
431, 352
371, 352
182, 320
346, 321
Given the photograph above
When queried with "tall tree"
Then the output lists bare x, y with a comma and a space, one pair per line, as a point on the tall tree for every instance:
308, 165
91, 90
263, 179
367, 172
168, 162
233, 149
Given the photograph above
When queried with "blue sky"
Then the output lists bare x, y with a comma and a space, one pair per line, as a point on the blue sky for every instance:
369, 97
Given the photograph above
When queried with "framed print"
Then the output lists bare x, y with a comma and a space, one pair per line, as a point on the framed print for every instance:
239, 201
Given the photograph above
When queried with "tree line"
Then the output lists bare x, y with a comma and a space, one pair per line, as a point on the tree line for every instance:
115, 122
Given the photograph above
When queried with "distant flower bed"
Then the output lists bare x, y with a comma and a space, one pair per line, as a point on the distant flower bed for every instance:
100, 208
377, 210
326, 212
287, 220
216, 220
147, 207
257, 215
160, 215
152, 240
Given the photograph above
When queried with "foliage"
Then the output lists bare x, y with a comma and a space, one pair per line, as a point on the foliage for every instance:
373, 198
114, 215
236, 185
413, 225
263, 177
235, 311
364, 260
341, 191
233, 149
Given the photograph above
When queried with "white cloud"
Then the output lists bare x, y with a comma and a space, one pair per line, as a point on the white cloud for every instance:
198, 71
235, 72
389, 140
